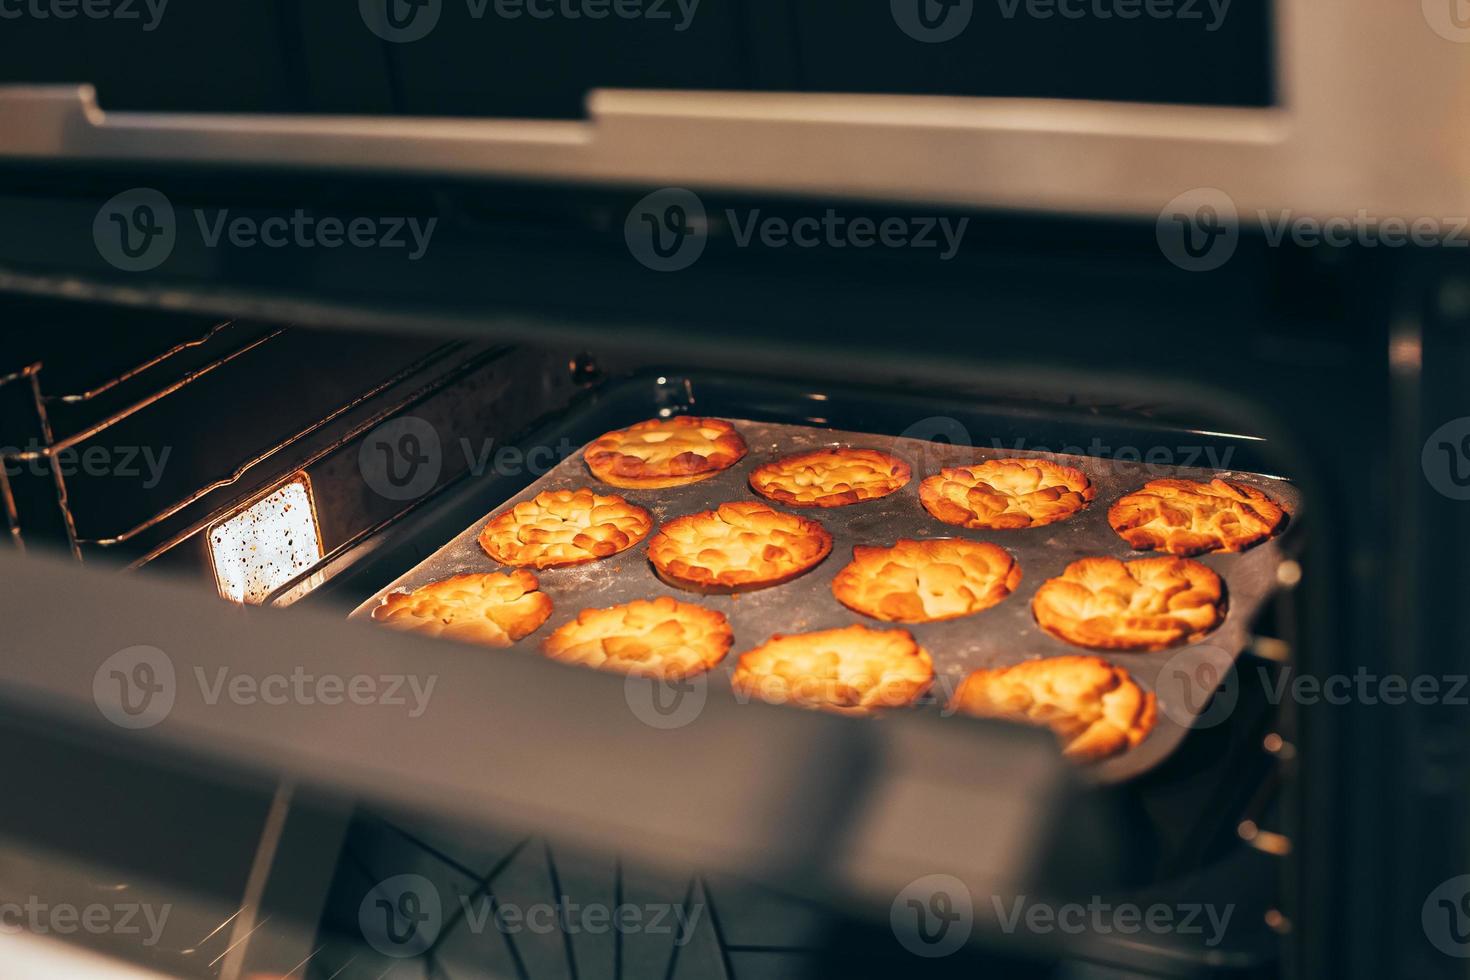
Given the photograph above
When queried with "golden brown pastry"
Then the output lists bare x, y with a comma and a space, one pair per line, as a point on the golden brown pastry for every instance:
737, 546
830, 477
1006, 493
851, 670
1145, 604
665, 452
660, 637
494, 609
564, 527
924, 581
1095, 709
1187, 517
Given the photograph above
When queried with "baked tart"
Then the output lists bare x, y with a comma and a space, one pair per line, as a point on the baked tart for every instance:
656, 637
926, 581
1188, 517
736, 547
1006, 493
564, 527
668, 452
830, 477
494, 609
853, 670
1095, 709
1145, 604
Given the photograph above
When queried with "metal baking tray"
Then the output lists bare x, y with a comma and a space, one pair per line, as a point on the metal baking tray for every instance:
1183, 678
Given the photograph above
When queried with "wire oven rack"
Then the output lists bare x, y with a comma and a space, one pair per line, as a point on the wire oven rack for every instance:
33, 438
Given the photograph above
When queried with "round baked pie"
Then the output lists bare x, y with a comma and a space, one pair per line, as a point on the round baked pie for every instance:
830, 477
564, 527
925, 581
1095, 709
1145, 604
851, 670
1188, 517
659, 637
737, 546
665, 452
1006, 493
494, 609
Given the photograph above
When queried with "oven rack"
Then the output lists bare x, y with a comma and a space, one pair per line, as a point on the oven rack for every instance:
224, 342
52, 445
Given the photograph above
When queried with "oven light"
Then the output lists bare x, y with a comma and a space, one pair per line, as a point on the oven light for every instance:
267, 543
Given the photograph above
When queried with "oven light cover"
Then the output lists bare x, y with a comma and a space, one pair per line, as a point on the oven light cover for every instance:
266, 543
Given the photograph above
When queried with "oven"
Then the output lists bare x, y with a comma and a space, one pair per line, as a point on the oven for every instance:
227, 439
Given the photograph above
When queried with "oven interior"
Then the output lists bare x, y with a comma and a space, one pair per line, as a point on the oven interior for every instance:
131, 437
